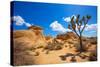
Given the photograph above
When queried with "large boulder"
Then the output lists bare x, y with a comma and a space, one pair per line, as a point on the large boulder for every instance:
23, 41
66, 36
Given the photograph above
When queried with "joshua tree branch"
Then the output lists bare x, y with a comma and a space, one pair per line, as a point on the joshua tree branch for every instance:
76, 32
79, 30
84, 26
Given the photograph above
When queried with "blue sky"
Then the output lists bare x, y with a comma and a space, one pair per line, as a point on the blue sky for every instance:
44, 14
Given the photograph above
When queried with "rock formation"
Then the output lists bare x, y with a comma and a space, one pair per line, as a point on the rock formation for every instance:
32, 47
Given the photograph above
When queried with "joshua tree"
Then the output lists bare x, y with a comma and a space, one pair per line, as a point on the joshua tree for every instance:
78, 25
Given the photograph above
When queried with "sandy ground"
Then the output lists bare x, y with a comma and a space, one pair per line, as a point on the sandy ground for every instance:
24, 53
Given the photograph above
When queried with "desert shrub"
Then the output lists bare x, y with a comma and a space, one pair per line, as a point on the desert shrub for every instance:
63, 58
77, 46
73, 59
70, 46
82, 55
48, 37
55, 45
40, 47
58, 47
66, 46
93, 56
93, 42
84, 40
70, 42
36, 54
31, 49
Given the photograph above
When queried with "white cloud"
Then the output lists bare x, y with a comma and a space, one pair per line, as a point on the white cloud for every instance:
20, 21
28, 24
68, 30
68, 19
91, 27
58, 27
90, 30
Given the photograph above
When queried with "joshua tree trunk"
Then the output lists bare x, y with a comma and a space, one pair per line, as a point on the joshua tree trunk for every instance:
81, 45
